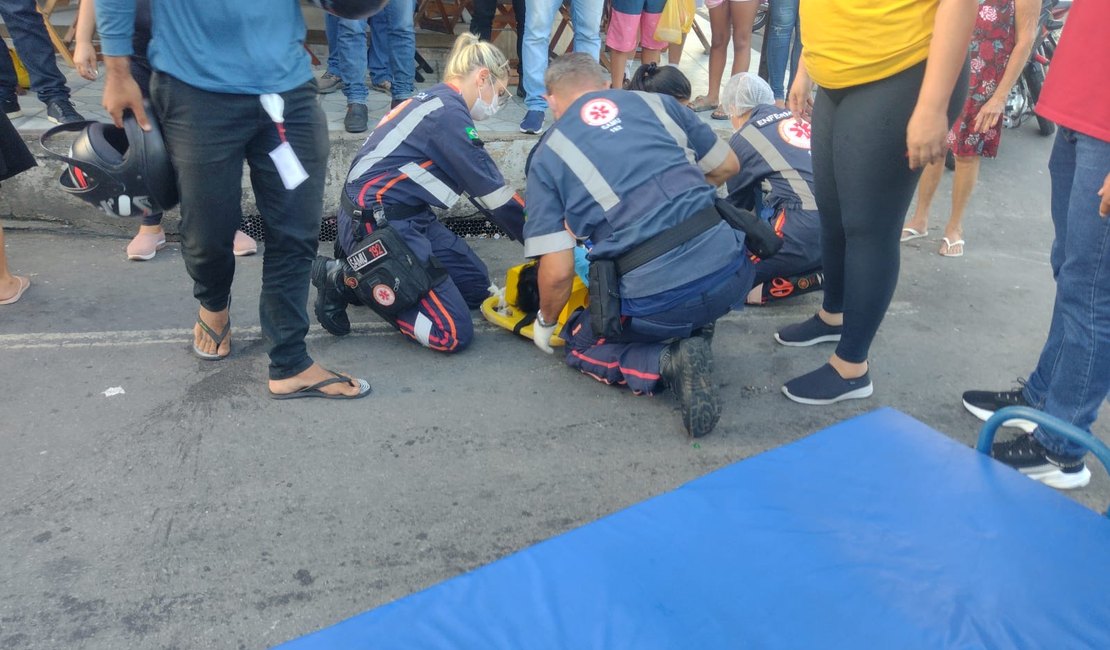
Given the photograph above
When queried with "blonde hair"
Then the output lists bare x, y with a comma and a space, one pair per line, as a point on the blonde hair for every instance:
470, 53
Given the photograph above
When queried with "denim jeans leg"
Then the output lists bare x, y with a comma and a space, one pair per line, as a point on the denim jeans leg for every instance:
537, 34
780, 36
350, 42
28, 32
331, 30
586, 17
1061, 169
402, 47
292, 219
376, 58
1081, 381
206, 135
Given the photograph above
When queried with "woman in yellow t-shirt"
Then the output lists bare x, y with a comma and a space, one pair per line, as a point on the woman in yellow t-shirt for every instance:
886, 71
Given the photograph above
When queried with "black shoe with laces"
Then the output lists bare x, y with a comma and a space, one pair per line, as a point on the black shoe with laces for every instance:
687, 367
1030, 457
331, 299
61, 111
982, 404
11, 108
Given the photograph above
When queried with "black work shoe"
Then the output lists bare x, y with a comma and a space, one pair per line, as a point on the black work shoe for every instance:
331, 303
61, 111
826, 386
687, 367
356, 119
809, 332
12, 109
982, 404
1030, 457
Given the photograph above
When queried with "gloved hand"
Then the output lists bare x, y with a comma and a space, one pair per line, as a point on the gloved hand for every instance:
542, 333
494, 290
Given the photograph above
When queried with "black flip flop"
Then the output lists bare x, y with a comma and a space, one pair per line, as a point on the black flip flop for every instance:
314, 389
218, 338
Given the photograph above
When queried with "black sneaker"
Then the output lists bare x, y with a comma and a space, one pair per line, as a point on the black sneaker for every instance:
11, 108
687, 367
826, 386
61, 111
982, 404
1031, 458
356, 119
331, 303
809, 332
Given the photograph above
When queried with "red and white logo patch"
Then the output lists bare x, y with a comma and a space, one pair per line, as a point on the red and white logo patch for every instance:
795, 132
599, 111
383, 295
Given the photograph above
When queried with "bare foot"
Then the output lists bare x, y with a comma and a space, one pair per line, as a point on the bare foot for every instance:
217, 322
847, 369
312, 375
11, 286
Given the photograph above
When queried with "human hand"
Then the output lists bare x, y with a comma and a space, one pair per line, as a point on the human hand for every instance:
800, 98
989, 114
122, 93
541, 334
926, 137
1104, 205
84, 58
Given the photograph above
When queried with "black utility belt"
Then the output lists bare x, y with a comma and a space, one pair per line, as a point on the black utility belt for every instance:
390, 212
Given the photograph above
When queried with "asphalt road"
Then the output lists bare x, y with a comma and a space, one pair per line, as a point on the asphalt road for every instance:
190, 511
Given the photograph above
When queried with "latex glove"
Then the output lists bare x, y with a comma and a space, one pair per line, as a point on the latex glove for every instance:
541, 334
494, 290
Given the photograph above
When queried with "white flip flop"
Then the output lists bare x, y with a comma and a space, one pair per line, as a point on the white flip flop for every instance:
913, 234
949, 245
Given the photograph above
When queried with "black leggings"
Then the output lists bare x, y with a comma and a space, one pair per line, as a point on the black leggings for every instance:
863, 185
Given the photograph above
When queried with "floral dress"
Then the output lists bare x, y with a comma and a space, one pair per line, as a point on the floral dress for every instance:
991, 45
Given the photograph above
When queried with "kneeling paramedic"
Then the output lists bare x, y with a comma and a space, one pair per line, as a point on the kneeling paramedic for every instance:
776, 171
394, 255
635, 173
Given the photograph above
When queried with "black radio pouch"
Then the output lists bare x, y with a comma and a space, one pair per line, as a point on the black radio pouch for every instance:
385, 273
605, 299
759, 236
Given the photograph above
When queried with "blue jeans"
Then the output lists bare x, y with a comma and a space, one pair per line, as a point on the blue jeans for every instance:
1072, 377
36, 52
392, 38
586, 16
208, 136
346, 60
784, 43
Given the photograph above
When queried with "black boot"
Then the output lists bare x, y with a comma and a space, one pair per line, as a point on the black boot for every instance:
331, 296
687, 367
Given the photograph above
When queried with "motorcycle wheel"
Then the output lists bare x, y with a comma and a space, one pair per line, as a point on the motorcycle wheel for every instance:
1036, 81
1046, 127
761, 16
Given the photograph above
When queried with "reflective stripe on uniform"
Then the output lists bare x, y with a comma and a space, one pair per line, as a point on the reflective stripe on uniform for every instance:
422, 329
586, 172
716, 156
496, 198
429, 183
655, 103
393, 139
775, 159
550, 243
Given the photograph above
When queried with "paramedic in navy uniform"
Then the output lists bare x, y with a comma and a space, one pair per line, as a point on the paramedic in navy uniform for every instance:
773, 149
619, 167
422, 154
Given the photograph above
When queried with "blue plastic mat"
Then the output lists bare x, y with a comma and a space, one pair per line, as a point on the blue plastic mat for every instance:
875, 533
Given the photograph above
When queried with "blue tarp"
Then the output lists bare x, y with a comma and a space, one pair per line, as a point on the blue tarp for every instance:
875, 533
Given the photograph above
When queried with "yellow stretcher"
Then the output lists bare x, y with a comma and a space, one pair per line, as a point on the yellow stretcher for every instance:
510, 317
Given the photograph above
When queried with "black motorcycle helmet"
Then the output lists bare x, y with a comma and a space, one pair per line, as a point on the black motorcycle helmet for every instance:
124, 172
352, 9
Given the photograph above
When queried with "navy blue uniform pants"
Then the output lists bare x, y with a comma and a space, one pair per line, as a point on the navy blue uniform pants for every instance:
441, 319
633, 359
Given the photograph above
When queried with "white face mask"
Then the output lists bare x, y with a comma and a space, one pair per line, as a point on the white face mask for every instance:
483, 109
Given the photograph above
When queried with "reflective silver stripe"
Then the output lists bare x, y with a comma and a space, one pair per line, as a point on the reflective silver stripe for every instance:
430, 183
655, 103
393, 139
422, 329
552, 243
582, 168
496, 198
774, 158
717, 155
